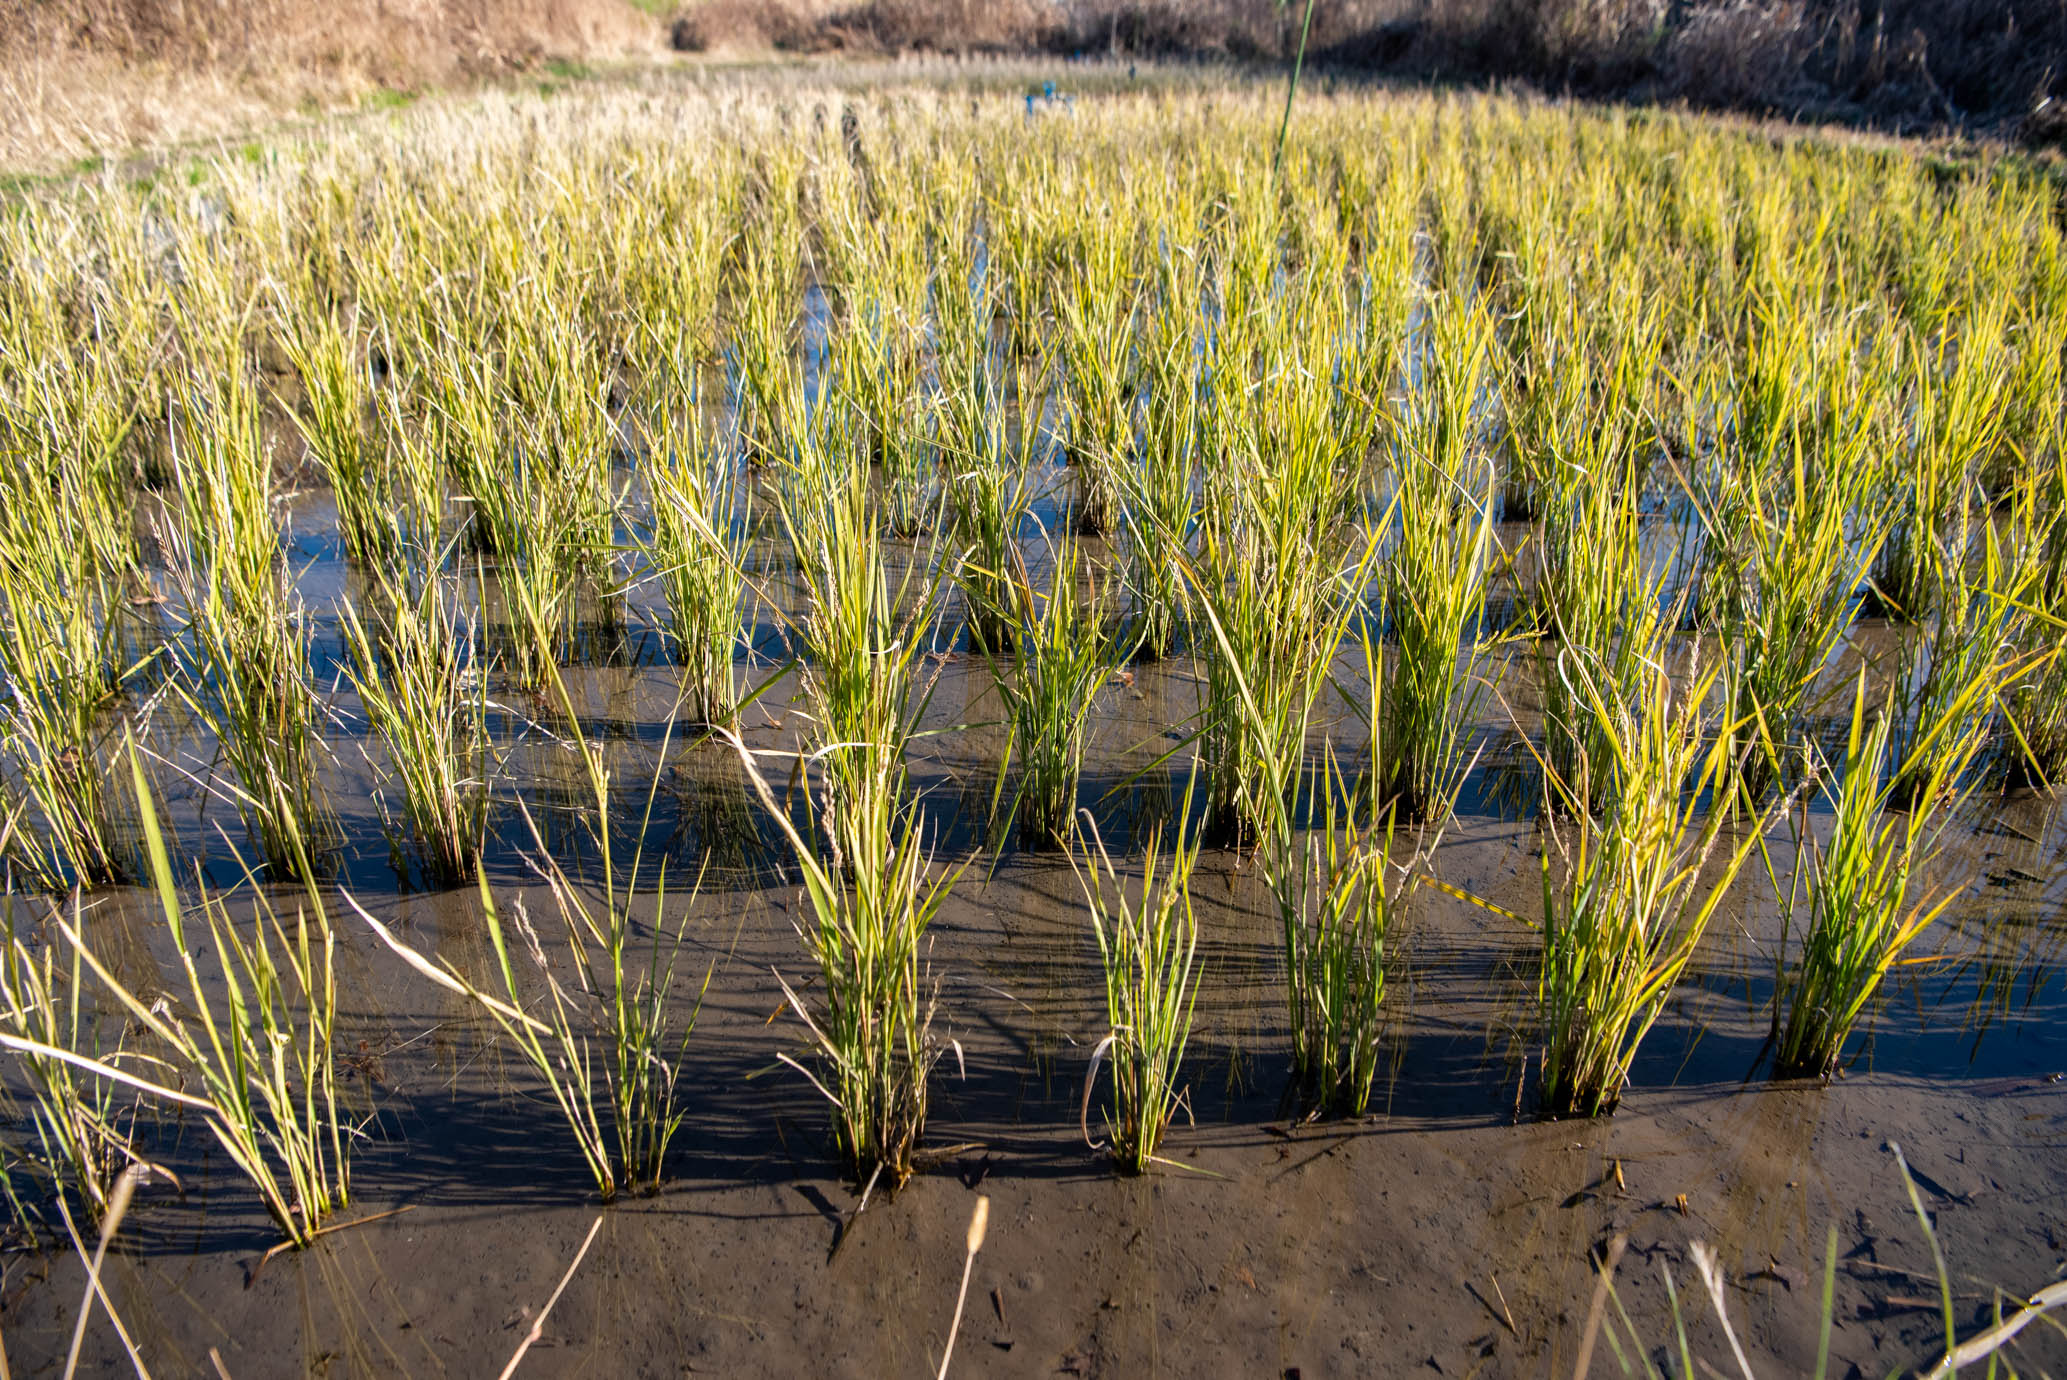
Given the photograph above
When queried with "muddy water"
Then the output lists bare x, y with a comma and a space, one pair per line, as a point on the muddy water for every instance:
1444, 1234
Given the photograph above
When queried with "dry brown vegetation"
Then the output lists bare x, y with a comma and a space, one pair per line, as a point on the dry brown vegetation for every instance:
100, 77
84, 77
1903, 64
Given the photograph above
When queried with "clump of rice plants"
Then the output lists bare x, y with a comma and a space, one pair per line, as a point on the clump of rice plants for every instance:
1593, 609
1861, 914
872, 894
257, 1058
865, 623
1785, 562
1160, 501
1097, 326
419, 681
619, 1102
1066, 648
770, 385
1278, 574
84, 1129
875, 384
1436, 564
64, 665
245, 650
527, 439
694, 543
1148, 948
620, 1106
1957, 382
869, 879
1336, 904
1955, 681
333, 422
2038, 704
1629, 890
989, 447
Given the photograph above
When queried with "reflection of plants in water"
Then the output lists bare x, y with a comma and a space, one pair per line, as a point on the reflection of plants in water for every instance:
714, 821
2010, 934
2010, 966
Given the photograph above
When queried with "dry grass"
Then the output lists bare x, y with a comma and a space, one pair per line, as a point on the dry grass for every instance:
99, 78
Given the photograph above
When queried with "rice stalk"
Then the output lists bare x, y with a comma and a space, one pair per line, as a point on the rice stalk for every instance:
1628, 891
1065, 648
1437, 562
419, 681
1148, 948
257, 1060
1862, 917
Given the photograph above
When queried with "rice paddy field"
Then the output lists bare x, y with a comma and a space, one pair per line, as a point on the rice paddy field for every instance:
643, 724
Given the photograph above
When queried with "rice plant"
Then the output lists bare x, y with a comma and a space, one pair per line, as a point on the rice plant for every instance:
1628, 891
527, 443
1336, 904
251, 1045
694, 544
1785, 561
1862, 916
1437, 561
865, 623
1066, 648
1958, 382
1594, 609
420, 682
875, 381
244, 652
1148, 948
770, 385
871, 894
1955, 681
245, 658
989, 447
334, 424
1097, 326
2037, 710
872, 890
1160, 503
65, 669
